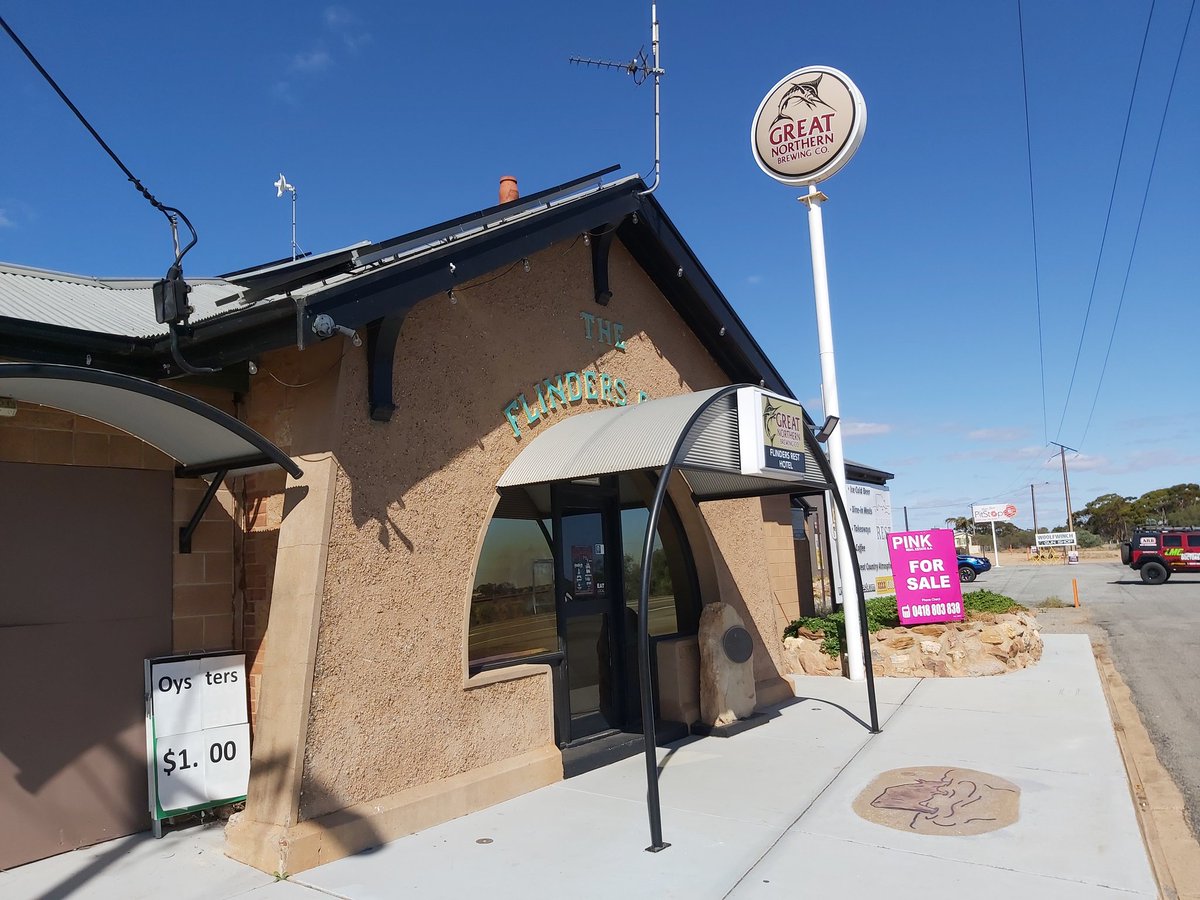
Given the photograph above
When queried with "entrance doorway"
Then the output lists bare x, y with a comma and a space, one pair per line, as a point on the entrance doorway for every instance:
597, 632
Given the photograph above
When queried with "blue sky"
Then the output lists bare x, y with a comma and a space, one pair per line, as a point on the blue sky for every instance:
390, 117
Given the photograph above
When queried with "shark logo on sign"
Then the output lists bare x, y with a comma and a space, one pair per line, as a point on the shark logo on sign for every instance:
805, 92
770, 413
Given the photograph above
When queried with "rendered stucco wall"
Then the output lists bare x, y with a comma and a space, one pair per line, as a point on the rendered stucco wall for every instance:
391, 708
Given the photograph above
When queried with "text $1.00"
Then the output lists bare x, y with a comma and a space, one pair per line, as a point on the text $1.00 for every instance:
217, 753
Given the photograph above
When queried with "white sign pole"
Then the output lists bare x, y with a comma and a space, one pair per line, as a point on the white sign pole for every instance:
837, 460
995, 549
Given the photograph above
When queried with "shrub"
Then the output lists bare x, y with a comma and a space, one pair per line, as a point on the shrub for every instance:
990, 602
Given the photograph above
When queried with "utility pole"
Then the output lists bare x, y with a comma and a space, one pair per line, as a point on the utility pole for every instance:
1062, 455
906, 518
1033, 502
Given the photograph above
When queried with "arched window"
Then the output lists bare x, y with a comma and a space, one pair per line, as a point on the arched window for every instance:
512, 600
514, 609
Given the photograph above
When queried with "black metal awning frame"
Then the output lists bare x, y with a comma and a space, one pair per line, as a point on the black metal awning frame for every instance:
647, 691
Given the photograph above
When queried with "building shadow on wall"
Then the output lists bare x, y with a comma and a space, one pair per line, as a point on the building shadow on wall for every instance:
732, 594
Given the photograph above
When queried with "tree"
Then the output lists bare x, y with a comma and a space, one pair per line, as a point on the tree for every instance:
1113, 517
1110, 516
1187, 516
961, 523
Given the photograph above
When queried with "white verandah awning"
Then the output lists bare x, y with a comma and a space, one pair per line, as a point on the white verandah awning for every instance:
643, 436
199, 437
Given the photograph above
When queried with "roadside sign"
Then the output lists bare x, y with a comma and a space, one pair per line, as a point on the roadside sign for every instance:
197, 733
1057, 539
994, 512
925, 570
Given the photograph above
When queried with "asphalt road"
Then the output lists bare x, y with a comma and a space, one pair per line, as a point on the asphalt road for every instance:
1154, 637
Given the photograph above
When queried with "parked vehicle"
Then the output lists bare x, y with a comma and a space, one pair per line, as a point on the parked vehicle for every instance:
970, 567
1158, 552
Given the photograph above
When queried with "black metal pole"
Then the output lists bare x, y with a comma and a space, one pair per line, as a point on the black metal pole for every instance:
906, 528
647, 687
864, 633
186, 532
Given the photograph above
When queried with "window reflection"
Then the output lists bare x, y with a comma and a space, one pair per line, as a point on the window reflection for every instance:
512, 602
513, 612
672, 599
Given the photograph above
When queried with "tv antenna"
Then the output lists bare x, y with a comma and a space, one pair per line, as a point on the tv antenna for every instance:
280, 186
640, 68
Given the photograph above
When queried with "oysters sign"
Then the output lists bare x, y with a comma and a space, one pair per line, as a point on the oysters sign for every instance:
808, 126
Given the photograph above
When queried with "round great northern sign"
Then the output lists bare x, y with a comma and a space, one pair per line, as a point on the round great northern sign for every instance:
808, 126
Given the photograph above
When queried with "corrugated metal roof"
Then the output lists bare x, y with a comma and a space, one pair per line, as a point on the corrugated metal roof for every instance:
109, 306
622, 439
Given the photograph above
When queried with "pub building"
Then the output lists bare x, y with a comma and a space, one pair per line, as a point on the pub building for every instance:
368, 493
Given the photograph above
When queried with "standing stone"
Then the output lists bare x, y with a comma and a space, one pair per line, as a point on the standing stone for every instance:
726, 687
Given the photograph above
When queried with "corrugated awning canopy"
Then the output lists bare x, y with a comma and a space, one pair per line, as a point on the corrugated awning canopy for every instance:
199, 437
643, 436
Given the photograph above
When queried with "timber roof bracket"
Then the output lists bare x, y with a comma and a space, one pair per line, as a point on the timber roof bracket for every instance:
601, 242
382, 335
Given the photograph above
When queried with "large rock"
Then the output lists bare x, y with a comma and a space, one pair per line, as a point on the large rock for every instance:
806, 657
933, 629
987, 665
726, 687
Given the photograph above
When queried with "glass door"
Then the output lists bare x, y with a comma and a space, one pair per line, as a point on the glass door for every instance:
594, 628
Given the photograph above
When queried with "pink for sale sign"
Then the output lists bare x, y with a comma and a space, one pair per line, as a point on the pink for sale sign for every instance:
925, 568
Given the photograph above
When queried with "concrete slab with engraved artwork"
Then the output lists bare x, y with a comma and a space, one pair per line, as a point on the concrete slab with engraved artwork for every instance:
770, 812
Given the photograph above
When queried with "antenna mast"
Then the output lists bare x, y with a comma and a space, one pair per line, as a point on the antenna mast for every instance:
280, 186
641, 68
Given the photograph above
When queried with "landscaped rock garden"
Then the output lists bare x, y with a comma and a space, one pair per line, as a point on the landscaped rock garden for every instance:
998, 636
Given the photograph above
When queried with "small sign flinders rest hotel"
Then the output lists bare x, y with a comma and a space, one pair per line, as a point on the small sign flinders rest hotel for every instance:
771, 429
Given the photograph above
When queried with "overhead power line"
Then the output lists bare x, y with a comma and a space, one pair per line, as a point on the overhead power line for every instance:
1141, 213
1107, 219
170, 293
1037, 281
167, 211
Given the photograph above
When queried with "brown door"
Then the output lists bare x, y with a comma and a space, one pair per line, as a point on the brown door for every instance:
85, 596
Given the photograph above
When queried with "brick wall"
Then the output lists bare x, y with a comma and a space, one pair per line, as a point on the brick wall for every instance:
781, 559
203, 616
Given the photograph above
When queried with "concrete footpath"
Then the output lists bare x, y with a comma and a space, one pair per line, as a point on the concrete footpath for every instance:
768, 813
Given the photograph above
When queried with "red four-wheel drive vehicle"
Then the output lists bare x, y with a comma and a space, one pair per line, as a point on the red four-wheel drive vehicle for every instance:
1159, 552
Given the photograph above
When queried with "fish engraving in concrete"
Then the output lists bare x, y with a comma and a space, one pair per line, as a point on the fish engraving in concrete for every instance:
940, 800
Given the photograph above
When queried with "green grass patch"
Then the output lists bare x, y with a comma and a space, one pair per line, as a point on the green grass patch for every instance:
882, 613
